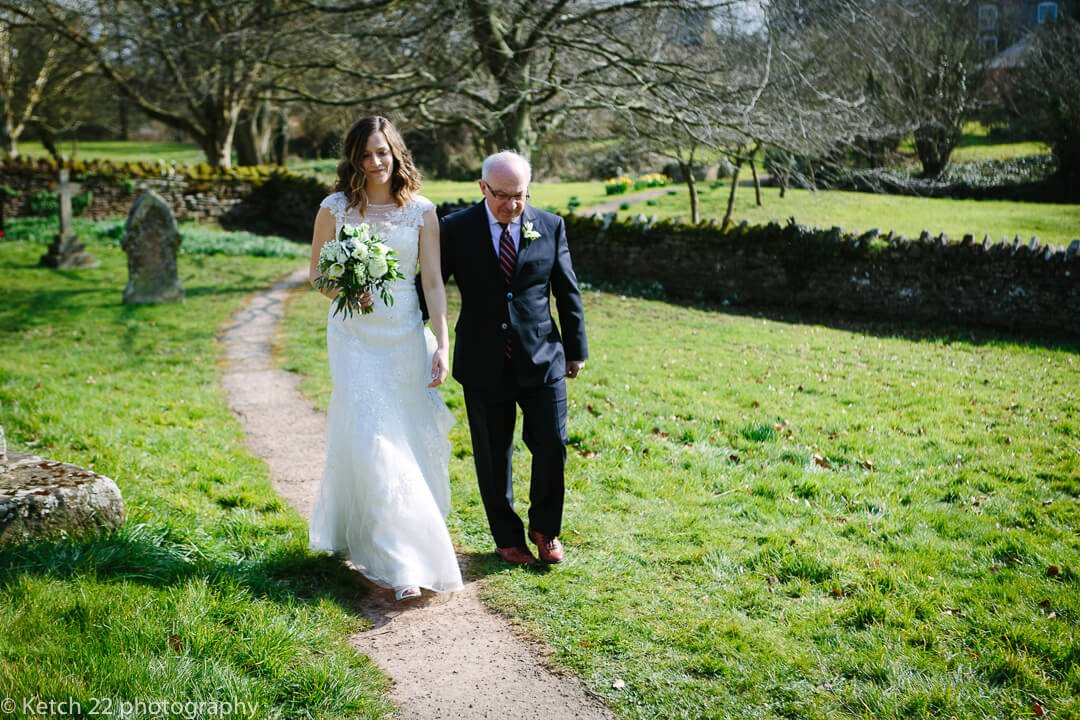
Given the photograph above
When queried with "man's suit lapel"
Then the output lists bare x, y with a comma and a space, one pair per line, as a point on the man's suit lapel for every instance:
485, 250
524, 244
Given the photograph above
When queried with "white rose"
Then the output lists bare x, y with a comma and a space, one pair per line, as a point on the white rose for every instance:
376, 265
360, 252
335, 271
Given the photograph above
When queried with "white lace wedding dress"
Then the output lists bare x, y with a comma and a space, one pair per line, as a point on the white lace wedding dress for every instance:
385, 492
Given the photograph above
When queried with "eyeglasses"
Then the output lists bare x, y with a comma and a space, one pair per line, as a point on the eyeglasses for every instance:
506, 197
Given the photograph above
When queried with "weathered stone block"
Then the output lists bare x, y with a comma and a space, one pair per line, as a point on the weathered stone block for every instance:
43, 498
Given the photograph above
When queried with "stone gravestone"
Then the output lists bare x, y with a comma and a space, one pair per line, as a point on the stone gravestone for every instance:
66, 251
42, 498
151, 242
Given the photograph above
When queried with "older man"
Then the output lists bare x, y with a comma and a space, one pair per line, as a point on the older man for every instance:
509, 258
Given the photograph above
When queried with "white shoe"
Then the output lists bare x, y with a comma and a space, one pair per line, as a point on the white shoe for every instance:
409, 592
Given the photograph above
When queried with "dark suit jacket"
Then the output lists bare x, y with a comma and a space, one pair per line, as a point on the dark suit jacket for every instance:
491, 312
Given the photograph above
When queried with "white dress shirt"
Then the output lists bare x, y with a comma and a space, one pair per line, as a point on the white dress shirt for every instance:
496, 230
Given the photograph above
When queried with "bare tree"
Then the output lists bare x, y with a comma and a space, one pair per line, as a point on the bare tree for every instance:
930, 67
195, 65
1044, 96
512, 72
740, 87
35, 68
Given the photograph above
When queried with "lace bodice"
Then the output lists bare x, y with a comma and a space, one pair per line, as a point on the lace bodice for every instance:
400, 226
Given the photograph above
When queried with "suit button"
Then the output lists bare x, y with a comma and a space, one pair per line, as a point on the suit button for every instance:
509, 296
504, 326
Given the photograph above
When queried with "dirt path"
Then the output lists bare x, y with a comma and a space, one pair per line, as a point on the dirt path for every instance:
449, 657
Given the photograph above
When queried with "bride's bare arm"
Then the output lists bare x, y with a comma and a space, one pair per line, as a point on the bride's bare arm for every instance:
434, 295
323, 233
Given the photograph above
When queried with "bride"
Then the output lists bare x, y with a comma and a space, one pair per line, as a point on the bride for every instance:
385, 492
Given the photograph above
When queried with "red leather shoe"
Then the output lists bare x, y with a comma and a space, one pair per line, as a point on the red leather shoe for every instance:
516, 555
548, 547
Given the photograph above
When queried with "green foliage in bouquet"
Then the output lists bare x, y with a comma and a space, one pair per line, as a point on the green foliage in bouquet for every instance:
356, 263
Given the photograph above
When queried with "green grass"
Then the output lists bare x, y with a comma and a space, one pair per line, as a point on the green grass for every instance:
121, 151
977, 144
971, 150
858, 212
765, 518
768, 518
207, 592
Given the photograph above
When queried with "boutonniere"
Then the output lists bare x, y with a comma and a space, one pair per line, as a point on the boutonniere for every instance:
528, 233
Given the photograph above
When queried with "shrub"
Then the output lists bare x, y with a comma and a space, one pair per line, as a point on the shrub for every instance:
46, 202
651, 180
617, 186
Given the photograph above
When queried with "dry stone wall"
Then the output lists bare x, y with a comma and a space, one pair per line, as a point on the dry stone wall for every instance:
1026, 286
1021, 285
278, 203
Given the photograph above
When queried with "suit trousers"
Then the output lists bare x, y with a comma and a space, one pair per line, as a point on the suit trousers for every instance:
492, 416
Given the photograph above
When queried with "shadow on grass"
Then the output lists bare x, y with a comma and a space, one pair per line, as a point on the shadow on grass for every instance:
159, 557
45, 307
848, 321
479, 565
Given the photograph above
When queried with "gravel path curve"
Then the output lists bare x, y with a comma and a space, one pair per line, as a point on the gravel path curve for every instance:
449, 657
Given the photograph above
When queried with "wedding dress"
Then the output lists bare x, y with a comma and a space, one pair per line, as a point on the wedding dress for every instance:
385, 492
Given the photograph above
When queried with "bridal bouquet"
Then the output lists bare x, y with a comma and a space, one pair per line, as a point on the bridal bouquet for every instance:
357, 262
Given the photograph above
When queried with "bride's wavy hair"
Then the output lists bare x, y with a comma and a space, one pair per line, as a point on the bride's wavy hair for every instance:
404, 178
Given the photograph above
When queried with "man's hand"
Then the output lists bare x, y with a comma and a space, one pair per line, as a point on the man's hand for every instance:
573, 367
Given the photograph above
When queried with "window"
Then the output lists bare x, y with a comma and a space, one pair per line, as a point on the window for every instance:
988, 18
1046, 12
989, 44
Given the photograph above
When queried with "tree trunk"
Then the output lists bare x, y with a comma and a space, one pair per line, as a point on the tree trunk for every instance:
247, 146
687, 168
254, 133
11, 133
281, 139
515, 133
122, 110
218, 151
691, 183
731, 195
48, 142
934, 146
757, 181
11, 144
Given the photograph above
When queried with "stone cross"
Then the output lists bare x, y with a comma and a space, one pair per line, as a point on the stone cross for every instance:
66, 251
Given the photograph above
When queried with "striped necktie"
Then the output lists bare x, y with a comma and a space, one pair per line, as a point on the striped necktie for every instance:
507, 253
507, 263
